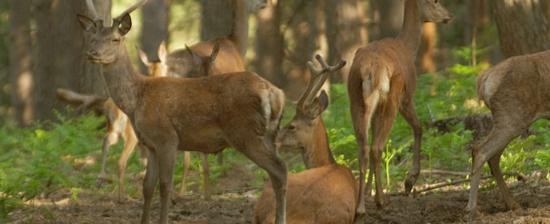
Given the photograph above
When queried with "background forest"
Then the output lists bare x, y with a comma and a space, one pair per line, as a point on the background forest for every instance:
48, 151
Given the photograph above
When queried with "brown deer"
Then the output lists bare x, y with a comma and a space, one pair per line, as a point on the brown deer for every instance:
184, 62
382, 81
325, 192
516, 91
169, 114
204, 66
117, 122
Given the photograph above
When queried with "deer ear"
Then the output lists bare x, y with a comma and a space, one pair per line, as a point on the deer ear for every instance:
197, 60
318, 105
124, 24
86, 23
162, 52
143, 57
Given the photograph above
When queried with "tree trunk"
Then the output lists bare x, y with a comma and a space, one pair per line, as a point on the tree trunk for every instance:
216, 18
522, 26
428, 48
21, 61
391, 17
154, 19
346, 31
59, 57
270, 44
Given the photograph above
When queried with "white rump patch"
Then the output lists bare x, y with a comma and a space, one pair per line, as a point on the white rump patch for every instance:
491, 84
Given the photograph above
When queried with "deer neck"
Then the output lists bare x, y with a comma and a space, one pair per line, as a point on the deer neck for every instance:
239, 31
318, 153
412, 27
123, 82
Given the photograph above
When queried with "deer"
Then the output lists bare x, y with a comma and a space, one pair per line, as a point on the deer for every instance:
326, 191
118, 125
516, 92
382, 81
207, 114
193, 60
203, 65
185, 62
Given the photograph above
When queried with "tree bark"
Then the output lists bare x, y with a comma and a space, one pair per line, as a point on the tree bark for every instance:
270, 44
59, 57
522, 26
346, 25
155, 18
216, 18
21, 77
391, 17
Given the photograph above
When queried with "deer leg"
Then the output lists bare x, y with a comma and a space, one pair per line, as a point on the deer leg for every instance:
186, 162
506, 195
166, 163
264, 155
110, 139
205, 175
149, 184
370, 177
495, 143
381, 126
130, 142
408, 112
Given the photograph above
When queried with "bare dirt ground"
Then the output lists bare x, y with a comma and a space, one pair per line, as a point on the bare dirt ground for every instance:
235, 205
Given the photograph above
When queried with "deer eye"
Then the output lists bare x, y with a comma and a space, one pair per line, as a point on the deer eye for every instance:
116, 40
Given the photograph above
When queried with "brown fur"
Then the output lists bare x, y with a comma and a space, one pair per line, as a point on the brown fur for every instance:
382, 82
516, 91
204, 114
326, 192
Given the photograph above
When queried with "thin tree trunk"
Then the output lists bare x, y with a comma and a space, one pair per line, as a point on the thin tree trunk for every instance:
346, 23
428, 48
21, 77
270, 44
391, 17
155, 19
522, 26
216, 19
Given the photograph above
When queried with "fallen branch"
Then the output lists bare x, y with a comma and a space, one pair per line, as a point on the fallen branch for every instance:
444, 172
456, 182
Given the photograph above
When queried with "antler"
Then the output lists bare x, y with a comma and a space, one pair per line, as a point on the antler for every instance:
130, 9
91, 8
318, 78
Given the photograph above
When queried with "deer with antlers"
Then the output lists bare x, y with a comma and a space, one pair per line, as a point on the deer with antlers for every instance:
382, 82
118, 125
210, 113
325, 192
516, 92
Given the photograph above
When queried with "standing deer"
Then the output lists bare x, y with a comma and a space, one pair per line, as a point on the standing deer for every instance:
382, 81
516, 91
194, 60
325, 192
117, 122
209, 114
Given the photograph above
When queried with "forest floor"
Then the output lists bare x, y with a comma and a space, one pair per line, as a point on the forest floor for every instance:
235, 205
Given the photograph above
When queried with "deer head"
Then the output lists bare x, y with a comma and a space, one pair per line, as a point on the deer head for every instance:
157, 68
103, 42
432, 11
197, 65
303, 128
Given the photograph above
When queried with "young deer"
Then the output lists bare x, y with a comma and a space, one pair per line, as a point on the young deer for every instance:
117, 122
382, 81
325, 192
186, 62
169, 114
516, 91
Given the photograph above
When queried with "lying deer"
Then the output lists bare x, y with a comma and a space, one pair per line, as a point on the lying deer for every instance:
382, 81
118, 125
516, 91
209, 114
325, 192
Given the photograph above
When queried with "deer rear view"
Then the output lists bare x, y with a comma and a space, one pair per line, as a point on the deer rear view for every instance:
325, 192
211, 113
516, 91
382, 82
